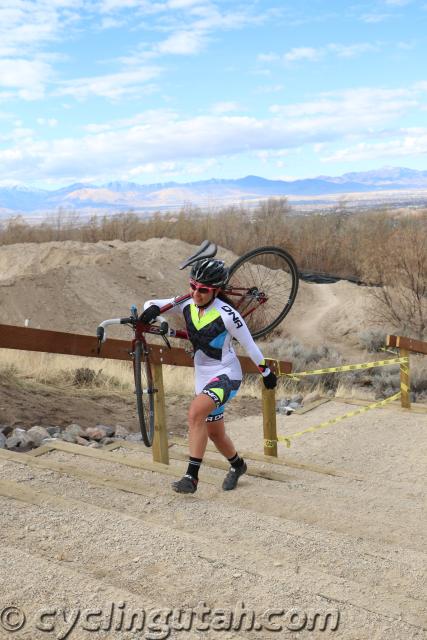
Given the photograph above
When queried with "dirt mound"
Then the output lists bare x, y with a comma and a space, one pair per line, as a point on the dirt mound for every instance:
72, 286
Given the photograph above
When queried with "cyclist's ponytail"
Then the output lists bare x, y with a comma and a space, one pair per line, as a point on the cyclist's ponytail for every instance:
221, 296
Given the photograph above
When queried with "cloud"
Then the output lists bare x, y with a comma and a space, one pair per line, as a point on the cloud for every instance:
352, 50
183, 4
312, 54
28, 25
26, 28
268, 57
357, 107
302, 53
225, 107
163, 136
269, 88
182, 43
47, 122
183, 28
374, 18
111, 86
110, 6
26, 78
397, 3
412, 142
111, 23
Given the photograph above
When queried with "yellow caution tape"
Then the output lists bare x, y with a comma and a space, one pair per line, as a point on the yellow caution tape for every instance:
347, 367
287, 439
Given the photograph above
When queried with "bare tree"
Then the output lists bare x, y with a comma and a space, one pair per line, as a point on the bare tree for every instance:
400, 266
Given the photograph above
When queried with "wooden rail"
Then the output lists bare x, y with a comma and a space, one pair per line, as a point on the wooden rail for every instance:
410, 344
28, 339
405, 346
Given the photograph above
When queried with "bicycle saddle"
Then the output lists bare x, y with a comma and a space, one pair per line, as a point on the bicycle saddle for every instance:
206, 250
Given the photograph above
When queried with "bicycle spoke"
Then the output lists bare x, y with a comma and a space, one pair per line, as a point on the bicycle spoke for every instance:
269, 271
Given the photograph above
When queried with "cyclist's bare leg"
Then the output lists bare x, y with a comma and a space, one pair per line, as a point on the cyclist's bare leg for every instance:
224, 444
199, 410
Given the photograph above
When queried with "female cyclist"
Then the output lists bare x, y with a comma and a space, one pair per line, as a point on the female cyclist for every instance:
211, 323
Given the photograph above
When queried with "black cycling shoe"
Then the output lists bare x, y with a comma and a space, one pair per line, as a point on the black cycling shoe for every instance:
232, 477
187, 484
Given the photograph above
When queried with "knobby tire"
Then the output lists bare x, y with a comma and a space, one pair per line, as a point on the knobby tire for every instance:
144, 393
272, 271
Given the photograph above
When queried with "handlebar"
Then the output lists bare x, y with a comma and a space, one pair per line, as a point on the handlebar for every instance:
101, 332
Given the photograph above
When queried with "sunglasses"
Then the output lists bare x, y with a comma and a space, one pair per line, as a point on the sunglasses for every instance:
201, 288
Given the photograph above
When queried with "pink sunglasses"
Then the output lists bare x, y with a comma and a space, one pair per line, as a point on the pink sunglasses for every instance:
201, 288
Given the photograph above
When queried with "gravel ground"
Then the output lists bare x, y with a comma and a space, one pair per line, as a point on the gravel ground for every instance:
313, 542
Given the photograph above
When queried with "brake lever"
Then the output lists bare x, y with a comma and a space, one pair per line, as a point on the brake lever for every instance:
168, 344
164, 328
100, 331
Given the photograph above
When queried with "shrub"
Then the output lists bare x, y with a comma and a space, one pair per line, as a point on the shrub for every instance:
372, 339
386, 381
85, 377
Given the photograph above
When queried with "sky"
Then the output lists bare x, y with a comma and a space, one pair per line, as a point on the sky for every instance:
183, 90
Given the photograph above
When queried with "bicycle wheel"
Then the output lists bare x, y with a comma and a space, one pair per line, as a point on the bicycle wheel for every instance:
263, 285
144, 393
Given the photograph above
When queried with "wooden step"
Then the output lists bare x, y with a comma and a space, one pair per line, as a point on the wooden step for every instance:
202, 552
339, 547
344, 504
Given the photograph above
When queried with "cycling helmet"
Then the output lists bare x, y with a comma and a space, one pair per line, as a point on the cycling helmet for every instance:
213, 273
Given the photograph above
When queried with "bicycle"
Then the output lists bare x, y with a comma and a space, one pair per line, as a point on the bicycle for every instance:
262, 284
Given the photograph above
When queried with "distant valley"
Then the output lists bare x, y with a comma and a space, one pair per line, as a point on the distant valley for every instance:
389, 186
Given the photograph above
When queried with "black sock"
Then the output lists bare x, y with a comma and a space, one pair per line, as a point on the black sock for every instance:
193, 467
236, 461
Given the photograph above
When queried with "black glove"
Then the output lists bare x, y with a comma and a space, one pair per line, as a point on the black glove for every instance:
149, 314
270, 381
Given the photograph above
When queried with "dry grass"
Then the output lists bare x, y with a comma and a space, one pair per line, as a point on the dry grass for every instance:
60, 370
93, 375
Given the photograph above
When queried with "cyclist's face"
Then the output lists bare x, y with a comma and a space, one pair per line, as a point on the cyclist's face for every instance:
201, 293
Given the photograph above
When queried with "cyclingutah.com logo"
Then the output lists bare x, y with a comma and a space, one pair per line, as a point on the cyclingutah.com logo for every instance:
158, 624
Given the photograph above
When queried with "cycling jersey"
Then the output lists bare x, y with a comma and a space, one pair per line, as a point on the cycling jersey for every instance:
211, 336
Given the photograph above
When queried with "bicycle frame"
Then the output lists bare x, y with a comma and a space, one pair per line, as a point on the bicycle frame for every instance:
241, 292
140, 330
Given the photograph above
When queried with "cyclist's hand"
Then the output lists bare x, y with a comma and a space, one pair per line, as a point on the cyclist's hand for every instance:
270, 381
149, 314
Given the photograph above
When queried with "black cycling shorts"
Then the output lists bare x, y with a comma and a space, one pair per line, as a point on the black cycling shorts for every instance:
221, 389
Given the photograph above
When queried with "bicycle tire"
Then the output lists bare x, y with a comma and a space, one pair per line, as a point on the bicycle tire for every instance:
144, 390
254, 271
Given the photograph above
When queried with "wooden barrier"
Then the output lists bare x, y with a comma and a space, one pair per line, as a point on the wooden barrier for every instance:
269, 420
28, 339
405, 346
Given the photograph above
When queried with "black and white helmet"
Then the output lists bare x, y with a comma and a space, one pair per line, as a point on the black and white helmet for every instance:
213, 273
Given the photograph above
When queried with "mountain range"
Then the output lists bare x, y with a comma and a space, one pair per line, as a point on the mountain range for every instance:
114, 197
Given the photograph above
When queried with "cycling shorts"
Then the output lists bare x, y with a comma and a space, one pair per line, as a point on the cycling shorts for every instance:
221, 389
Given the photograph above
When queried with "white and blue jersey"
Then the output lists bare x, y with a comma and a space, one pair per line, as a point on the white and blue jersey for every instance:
211, 336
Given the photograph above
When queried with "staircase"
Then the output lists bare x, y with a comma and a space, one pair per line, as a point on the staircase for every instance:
86, 529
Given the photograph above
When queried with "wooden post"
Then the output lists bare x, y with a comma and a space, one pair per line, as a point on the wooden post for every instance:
160, 441
269, 421
404, 381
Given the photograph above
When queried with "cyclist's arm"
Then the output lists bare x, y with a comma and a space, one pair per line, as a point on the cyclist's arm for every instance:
238, 328
161, 302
